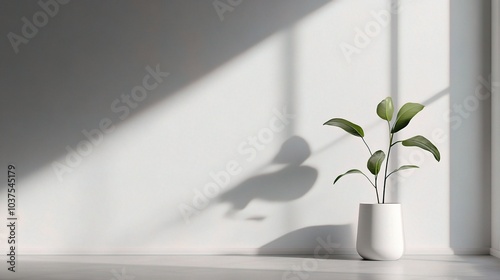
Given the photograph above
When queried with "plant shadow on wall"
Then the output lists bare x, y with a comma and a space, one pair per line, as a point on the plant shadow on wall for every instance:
289, 183
66, 83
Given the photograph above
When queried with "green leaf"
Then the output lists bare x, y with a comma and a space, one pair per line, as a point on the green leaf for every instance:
385, 109
423, 143
375, 162
405, 114
352, 171
404, 167
346, 125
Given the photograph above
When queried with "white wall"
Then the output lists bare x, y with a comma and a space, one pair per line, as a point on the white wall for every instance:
424, 77
227, 80
470, 132
495, 131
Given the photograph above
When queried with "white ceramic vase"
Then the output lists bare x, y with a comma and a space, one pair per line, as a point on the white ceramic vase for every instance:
380, 232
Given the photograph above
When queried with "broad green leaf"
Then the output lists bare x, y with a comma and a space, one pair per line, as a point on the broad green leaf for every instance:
385, 109
404, 167
405, 114
348, 126
352, 171
375, 162
423, 143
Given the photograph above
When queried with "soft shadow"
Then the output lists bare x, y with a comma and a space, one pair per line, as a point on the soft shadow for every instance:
289, 183
321, 241
66, 78
470, 140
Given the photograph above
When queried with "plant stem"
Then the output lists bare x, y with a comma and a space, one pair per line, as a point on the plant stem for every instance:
362, 138
368, 179
374, 185
376, 189
391, 173
396, 143
391, 135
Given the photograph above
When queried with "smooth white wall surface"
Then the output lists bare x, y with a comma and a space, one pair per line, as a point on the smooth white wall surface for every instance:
495, 131
230, 78
424, 76
470, 189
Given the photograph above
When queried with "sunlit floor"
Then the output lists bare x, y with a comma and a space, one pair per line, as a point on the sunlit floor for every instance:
250, 267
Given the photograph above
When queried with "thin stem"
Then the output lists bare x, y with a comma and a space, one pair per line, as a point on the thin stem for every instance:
391, 135
396, 143
391, 173
362, 138
376, 189
374, 185
368, 179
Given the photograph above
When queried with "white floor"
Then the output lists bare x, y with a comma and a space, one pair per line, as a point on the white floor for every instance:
250, 267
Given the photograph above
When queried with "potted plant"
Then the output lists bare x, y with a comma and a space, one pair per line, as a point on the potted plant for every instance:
380, 228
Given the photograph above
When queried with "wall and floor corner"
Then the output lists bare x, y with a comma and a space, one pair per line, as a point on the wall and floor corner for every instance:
114, 156
495, 133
